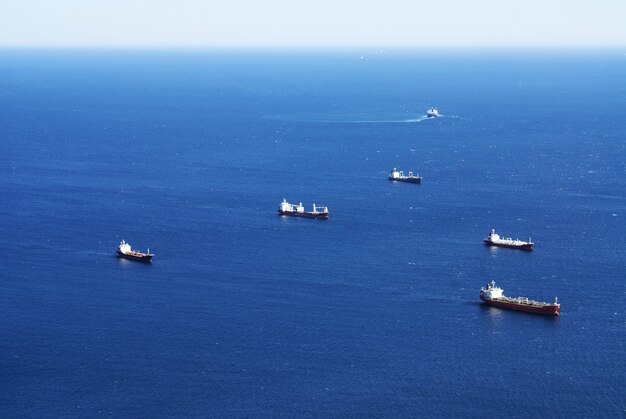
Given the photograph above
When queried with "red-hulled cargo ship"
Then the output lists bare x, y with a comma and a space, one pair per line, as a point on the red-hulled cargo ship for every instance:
298, 210
494, 239
125, 251
492, 295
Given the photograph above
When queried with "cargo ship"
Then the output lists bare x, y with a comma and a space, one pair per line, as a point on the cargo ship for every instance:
125, 251
432, 113
494, 239
298, 210
493, 295
399, 176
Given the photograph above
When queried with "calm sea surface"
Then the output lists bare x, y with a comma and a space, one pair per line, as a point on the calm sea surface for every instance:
373, 313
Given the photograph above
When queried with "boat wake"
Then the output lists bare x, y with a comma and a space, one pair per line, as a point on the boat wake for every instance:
360, 121
420, 119
392, 121
385, 121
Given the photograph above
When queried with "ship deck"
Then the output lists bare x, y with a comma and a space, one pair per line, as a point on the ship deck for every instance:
523, 301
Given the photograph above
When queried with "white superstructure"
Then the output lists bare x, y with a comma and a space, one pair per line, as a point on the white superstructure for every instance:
496, 239
124, 247
490, 291
286, 207
432, 112
399, 174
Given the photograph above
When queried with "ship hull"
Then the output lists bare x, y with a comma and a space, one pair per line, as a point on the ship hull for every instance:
549, 310
145, 258
407, 180
528, 246
320, 215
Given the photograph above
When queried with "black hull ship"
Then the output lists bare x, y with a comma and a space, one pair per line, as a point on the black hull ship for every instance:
125, 251
399, 176
293, 210
493, 239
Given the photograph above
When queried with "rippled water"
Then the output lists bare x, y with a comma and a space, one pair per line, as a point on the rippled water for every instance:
374, 312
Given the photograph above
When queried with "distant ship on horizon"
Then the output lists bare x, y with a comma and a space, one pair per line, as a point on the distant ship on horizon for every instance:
432, 113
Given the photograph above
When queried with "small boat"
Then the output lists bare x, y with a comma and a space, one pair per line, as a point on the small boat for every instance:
125, 251
399, 176
493, 295
432, 113
298, 210
494, 239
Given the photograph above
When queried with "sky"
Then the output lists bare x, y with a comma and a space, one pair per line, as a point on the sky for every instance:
312, 23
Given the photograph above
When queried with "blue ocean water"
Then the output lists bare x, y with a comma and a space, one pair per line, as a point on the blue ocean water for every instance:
374, 312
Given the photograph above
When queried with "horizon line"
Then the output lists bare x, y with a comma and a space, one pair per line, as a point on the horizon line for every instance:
316, 47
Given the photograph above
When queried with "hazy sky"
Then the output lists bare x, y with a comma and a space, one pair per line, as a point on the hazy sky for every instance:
300, 23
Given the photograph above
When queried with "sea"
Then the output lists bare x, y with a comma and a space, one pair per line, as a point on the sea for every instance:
374, 312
